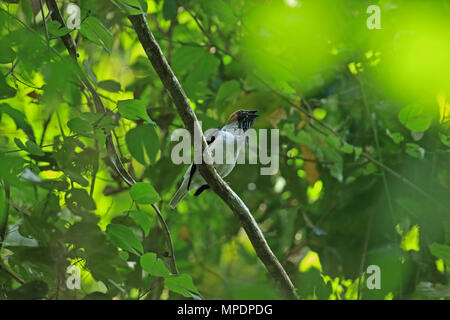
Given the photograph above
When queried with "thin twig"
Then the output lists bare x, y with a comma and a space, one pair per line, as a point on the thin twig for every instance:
44, 130
11, 274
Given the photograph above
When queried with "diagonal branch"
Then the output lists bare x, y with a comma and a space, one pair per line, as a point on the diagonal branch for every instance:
110, 145
217, 184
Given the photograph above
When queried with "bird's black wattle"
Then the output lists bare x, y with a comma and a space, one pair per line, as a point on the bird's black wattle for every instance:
245, 124
246, 119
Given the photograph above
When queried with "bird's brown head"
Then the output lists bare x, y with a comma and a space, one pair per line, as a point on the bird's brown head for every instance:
244, 118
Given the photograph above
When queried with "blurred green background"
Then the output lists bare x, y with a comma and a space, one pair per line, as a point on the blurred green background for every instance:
364, 173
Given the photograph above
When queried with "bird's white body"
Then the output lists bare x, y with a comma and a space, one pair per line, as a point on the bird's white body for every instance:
225, 149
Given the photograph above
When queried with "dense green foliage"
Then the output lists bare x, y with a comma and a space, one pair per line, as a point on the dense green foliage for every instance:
363, 180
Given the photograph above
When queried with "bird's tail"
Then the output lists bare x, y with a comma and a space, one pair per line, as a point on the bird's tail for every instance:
178, 196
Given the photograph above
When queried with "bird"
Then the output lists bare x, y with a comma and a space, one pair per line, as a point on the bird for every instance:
231, 135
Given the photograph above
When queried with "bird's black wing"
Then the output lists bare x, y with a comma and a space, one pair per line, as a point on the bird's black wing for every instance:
209, 139
191, 174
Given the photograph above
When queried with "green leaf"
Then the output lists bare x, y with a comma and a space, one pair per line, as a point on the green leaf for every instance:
79, 125
144, 193
56, 29
369, 169
133, 109
170, 9
34, 290
304, 137
206, 65
336, 170
20, 144
134, 3
411, 240
220, 9
135, 144
441, 251
101, 255
124, 255
320, 113
301, 137
358, 151
151, 142
7, 55
29, 146
228, 93
19, 118
109, 85
142, 220
144, 5
312, 282
91, 117
415, 118
334, 141
6, 91
33, 148
181, 284
445, 139
346, 148
94, 30
415, 151
123, 237
80, 198
10, 168
153, 266
76, 177
397, 137
185, 56
142, 138
131, 7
